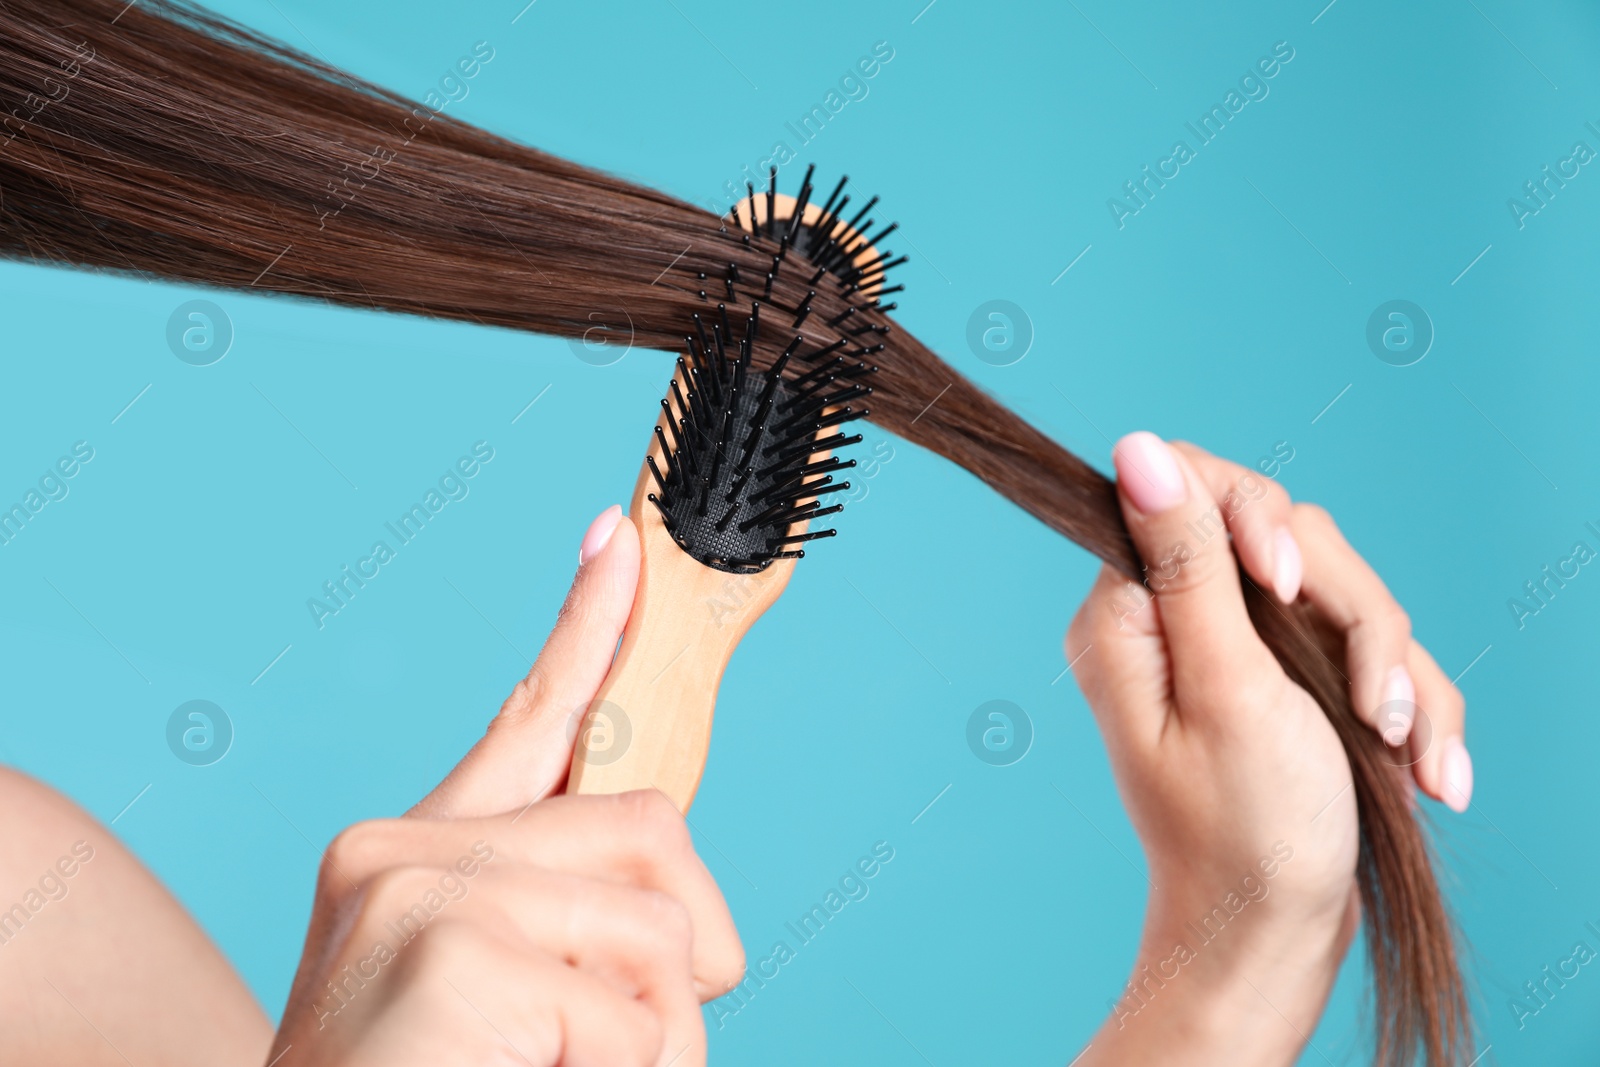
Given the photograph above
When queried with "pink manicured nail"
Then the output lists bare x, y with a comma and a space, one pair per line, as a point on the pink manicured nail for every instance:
1457, 767
1398, 705
1287, 567
1148, 473
600, 531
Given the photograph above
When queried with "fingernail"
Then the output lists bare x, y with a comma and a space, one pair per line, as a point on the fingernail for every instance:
1148, 473
600, 531
1287, 567
1457, 775
1398, 706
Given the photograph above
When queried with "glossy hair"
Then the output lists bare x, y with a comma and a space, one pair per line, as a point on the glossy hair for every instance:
156, 139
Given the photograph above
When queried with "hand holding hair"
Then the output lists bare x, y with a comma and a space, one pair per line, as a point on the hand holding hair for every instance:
1234, 778
500, 924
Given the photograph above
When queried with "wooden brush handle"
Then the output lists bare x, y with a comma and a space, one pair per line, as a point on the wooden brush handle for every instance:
650, 723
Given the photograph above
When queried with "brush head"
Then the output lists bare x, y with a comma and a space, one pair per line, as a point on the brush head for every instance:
748, 461
830, 238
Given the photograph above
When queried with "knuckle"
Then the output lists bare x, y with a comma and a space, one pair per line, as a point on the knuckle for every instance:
1397, 622
655, 821
396, 891
1315, 516
1079, 637
725, 965
1103, 614
524, 698
357, 849
1450, 704
1278, 498
1386, 626
1245, 492
576, 610
448, 946
1195, 454
668, 921
1183, 569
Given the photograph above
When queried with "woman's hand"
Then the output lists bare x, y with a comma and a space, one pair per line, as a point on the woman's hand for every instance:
1233, 777
494, 926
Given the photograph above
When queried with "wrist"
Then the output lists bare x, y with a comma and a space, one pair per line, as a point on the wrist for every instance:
1246, 990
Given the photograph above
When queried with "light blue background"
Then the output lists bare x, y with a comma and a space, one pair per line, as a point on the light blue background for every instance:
1387, 149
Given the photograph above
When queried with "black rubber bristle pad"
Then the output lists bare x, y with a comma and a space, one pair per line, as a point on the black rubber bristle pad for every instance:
741, 446
730, 453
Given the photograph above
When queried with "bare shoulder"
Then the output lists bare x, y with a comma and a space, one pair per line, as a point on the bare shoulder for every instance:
98, 962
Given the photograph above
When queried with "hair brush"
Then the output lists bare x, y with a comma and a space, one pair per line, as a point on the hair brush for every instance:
740, 466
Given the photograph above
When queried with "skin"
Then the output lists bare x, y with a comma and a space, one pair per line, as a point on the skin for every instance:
115, 971
1229, 770
591, 936
588, 931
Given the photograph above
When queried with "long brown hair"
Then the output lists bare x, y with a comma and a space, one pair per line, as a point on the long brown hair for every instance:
155, 138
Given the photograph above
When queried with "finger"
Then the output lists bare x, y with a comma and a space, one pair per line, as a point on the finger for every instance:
473, 996
637, 840
1118, 656
640, 942
1377, 631
1257, 511
1442, 767
1178, 528
636, 941
527, 750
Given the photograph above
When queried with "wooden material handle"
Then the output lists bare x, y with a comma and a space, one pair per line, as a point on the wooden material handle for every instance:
650, 723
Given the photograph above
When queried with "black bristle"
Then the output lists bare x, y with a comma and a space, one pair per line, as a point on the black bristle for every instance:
661, 482
827, 207
795, 539
826, 350
772, 197
738, 468
855, 223
805, 309
745, 449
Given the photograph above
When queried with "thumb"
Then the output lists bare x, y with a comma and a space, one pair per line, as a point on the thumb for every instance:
524, 755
